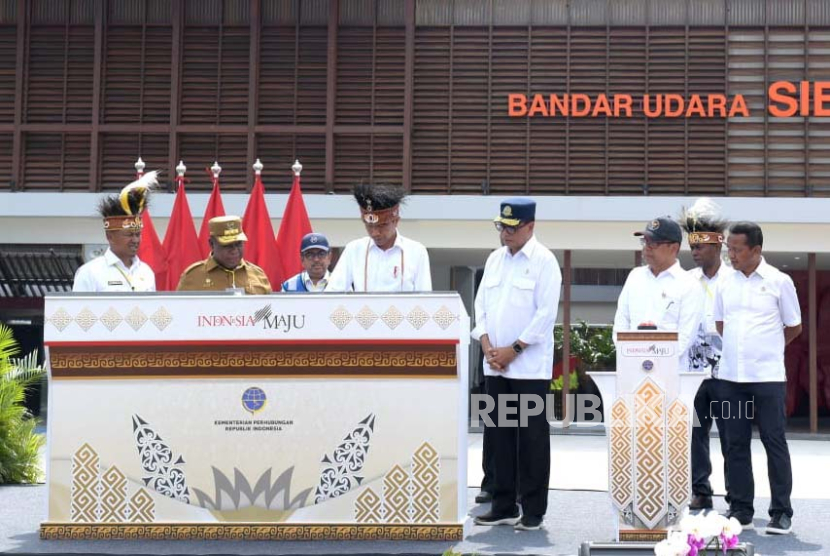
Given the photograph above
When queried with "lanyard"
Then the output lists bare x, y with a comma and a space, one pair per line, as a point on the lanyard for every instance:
127, 278
366, 268
705, 281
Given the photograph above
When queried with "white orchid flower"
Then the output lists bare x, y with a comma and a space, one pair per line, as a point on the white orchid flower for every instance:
674, 545
695, 525
732, 528
714, 524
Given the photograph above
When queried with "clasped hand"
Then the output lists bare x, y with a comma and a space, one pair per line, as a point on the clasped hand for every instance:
500, 358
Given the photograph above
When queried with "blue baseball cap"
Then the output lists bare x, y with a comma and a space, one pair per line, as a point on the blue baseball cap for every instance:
314, 241
516, 210
662, 228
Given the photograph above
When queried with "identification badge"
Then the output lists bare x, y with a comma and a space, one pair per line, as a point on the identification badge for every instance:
115, 283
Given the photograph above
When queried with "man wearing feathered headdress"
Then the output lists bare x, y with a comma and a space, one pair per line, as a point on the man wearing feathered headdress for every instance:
119, 269
705, 226
383, 261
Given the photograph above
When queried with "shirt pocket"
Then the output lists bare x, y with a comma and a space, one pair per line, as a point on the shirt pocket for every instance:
492, 283
670, 319
521, 292
764, 301
490, 287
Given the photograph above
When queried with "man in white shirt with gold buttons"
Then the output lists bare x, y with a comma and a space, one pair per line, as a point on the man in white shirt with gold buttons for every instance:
515, 311
119, 269
757, 314
384, 261
661, 295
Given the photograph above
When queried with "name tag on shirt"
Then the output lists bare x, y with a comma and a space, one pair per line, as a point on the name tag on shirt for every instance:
115, 283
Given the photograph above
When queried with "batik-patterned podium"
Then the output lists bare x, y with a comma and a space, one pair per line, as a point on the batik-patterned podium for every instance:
257, 417
649, 407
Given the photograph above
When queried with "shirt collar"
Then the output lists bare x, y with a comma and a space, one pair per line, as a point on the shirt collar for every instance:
526, 250
698, 272
764, 270
399, 239
674, 270
211, 263
307, 279
113, 260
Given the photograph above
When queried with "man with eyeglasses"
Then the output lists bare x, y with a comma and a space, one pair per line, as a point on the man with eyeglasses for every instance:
316, 258
384, 260
515, 311
661, 295
225, 268
119, 269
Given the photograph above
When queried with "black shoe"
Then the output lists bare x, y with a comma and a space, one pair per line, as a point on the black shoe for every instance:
529, 523
497, 519
701, 502
484, 497
743, 519
780, 524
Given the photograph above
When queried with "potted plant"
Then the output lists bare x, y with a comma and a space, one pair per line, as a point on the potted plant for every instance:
556, 387
594, 345
592, 349
19, 443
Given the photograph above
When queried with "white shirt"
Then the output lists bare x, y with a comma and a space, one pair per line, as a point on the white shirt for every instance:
671, 300
754, 311
321, 283
705, 353
518, 300
108, 273
404, 267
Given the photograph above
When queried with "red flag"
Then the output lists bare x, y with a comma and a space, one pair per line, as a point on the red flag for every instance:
261, 248
213, 209
152, 252
180, 240
295, 224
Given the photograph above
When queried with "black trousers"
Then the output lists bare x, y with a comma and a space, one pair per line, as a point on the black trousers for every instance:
487, 452
519, 453
708, 409
768, 408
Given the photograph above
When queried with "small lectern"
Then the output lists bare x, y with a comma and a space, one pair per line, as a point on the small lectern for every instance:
649, 417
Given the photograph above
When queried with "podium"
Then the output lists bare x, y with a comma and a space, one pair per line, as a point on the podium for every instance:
281, 417
649, 417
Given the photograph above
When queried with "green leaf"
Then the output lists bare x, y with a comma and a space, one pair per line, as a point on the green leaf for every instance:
19, 444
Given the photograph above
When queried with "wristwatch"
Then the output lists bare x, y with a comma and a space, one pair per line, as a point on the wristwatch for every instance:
517, 348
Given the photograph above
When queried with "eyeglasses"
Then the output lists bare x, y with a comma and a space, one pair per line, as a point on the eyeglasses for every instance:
510, 230
315, 255
648, 244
